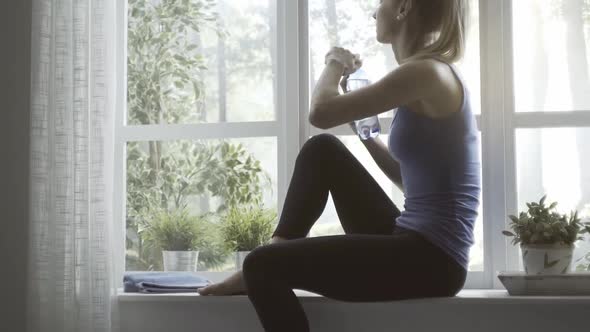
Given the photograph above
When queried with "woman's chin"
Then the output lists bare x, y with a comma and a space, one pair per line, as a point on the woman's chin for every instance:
381, 40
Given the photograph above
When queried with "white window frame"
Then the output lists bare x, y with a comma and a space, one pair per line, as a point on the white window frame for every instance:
498, 124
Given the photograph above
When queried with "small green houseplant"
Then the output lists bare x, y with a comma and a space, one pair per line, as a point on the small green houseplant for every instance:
246, 227
546, 237
176, 234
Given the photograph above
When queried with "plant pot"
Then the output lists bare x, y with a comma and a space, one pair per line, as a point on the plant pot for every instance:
180, 260
240, 256
547, 258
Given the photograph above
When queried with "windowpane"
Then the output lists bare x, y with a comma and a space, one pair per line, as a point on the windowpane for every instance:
555, 162
201, 62
348, 23
470, 64
551, 55
476, 254
199, 177
329, 223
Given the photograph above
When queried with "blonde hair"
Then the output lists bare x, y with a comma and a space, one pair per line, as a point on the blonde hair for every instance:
444, 23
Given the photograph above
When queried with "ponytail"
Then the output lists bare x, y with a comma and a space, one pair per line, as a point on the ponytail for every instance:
444, 23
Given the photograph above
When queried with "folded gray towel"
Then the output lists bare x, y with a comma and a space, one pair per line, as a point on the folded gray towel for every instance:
163, 282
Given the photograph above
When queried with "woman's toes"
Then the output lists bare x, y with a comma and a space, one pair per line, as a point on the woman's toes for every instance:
211, 289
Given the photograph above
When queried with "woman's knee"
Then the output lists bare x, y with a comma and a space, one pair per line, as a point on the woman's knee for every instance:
257, 260
323, 138
321, 144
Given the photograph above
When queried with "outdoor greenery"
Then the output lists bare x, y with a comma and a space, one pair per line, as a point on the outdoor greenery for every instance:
585, 265
166, 70
164, 66
245, 228
541, 225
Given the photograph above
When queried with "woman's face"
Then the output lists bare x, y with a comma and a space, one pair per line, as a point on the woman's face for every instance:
387, 25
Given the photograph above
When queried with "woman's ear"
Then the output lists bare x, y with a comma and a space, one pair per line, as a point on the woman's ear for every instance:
404, 9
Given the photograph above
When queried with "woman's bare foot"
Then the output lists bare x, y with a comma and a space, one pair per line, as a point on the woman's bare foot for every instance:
234, 284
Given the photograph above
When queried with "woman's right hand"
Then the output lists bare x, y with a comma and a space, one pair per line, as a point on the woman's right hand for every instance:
351, 62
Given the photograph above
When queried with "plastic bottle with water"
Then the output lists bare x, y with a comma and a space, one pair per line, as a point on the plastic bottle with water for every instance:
367, 127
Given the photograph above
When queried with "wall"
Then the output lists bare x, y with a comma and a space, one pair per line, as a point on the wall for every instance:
15, 41
229, 314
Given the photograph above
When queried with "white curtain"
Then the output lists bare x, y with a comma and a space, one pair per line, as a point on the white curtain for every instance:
72, 284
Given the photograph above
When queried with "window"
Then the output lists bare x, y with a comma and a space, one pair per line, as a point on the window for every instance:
237, 76
552, 102
201, 131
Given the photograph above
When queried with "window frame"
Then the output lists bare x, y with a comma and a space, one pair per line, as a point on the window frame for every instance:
498, 123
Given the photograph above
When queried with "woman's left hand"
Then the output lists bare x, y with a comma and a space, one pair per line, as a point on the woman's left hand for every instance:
352, 125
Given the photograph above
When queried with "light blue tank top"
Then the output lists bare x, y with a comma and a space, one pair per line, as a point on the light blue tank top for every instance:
441, 172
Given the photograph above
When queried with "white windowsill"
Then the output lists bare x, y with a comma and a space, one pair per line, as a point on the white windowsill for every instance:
482, 310
466, 296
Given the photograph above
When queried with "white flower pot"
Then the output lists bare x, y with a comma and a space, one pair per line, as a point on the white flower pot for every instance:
240, 256
180, 260
547, 258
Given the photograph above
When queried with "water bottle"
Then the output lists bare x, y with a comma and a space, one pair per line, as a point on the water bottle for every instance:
367, 127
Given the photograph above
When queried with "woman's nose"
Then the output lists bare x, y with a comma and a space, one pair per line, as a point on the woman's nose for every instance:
374, 15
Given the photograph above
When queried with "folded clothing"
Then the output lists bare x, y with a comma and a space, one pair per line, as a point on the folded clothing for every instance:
163, 282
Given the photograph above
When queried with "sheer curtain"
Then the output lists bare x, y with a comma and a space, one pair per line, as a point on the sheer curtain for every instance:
71, 283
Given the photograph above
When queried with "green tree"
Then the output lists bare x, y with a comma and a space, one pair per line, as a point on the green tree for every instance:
166, 68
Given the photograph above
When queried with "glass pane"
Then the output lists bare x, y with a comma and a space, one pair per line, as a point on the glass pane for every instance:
551, 55
329, 223
470, 64
476, 261
201, 62
555, 162
201, 178
348, 23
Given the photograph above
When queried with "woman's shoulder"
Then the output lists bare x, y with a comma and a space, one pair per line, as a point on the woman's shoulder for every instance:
437, 68
450, 89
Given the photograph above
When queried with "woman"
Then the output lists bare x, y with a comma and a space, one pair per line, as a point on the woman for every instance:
433, 157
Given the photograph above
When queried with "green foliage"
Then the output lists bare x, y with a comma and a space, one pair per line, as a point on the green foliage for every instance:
236, 177
189, 169
166, 69
585, 265
245, 228
212, 249
173, 231
541, 225
164, 66
177, 230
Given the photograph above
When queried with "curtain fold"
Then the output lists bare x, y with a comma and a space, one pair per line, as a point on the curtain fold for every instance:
71, 274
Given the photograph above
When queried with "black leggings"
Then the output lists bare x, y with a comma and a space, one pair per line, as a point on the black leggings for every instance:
373, 261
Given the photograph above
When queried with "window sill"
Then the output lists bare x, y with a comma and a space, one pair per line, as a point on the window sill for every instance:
466, 296
482, 310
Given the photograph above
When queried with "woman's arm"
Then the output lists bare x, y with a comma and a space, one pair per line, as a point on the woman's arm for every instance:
384, 160
412, 81
380, 153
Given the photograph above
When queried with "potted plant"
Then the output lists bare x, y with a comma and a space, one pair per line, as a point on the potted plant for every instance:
176, 234
546, 237
245, 228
